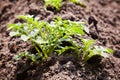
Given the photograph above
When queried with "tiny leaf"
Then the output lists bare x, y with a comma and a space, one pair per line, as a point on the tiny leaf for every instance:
24, 37
13, 33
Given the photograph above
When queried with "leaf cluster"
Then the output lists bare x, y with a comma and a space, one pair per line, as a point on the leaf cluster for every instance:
58, 3
89, 49
49, 38
53, 3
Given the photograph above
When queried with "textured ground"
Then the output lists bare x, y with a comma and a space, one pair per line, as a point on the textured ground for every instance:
105, 12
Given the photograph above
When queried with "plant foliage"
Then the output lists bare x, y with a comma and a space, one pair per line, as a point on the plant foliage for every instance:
53, 3
90, 50
58, 3
48, 38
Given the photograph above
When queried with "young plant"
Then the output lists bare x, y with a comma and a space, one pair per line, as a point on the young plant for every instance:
55, 37
58, 3
89, 50
47, 38
53, 3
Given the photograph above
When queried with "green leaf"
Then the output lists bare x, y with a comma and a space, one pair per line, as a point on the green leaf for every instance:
11, 26
14, 26
53, 3
39, 40
63, 49
24, 37
102, 49
91, 53
21, 55
14, 33
85, 28
108, 50
87, 43
16, 57
75, 30
37, 18
25, 17
34, 32
104, 54
32, 57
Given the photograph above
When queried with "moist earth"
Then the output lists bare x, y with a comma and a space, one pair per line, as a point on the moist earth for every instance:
103, 18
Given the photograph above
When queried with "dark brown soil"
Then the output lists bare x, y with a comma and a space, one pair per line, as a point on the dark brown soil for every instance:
103, 14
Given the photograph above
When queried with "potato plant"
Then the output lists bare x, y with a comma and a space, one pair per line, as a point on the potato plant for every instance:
49, 38
53, 3
89, 49
58, 3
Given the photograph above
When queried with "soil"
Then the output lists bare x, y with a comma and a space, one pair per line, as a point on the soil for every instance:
103, 17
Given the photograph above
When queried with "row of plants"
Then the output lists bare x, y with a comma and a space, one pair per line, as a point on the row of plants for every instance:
56, 4
51, 38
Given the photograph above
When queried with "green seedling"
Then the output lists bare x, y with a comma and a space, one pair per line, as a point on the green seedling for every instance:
53, 3
47, 37
58, 3
89, 50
